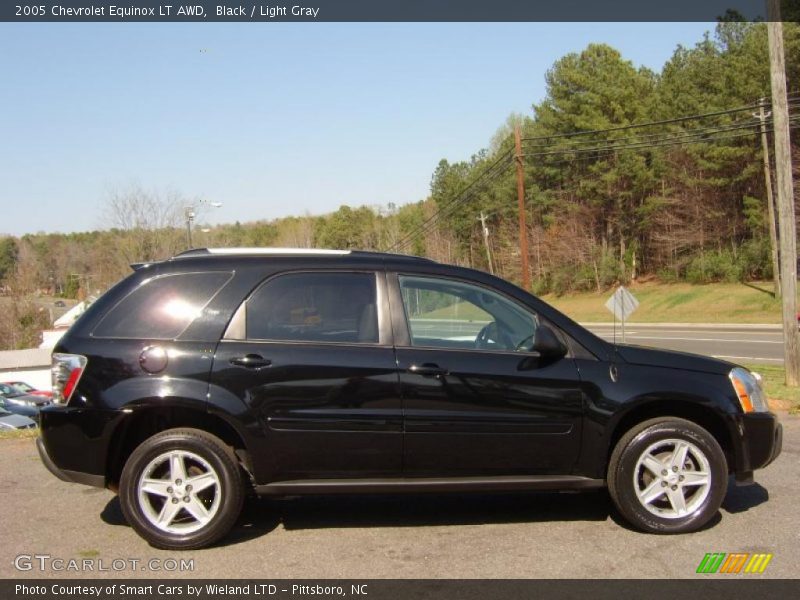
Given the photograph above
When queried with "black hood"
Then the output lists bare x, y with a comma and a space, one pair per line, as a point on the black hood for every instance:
639, 355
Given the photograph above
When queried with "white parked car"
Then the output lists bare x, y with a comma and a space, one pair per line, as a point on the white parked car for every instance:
11, 421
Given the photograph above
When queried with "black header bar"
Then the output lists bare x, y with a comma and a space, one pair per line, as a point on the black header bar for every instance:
382, 10
393, 589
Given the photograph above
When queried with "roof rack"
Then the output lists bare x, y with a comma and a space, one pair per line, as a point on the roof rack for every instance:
260, 251
290, 252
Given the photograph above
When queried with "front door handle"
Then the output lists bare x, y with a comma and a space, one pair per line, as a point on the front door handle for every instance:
427, 370
251, 361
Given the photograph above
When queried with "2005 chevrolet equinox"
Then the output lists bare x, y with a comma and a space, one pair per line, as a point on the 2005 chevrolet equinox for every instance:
216, 372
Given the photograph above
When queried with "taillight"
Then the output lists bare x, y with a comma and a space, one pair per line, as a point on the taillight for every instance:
66, 372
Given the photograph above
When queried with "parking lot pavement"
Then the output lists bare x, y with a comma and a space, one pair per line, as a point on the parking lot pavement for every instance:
452, 536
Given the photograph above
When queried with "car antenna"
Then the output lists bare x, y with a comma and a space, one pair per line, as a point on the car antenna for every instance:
614, 313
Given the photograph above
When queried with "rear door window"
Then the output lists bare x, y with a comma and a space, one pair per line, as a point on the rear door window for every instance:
315, 307
161, 307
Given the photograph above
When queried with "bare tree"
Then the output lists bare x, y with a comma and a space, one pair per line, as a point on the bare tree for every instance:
152, 221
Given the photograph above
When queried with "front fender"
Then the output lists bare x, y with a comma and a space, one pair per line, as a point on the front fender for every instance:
612, 407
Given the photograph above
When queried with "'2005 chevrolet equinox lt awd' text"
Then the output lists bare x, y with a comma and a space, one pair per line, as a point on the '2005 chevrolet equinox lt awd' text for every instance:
217, 372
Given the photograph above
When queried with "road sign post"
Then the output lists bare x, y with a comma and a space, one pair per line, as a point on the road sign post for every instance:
622, 305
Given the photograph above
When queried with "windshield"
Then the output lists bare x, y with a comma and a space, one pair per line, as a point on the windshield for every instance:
20, 385
9, 391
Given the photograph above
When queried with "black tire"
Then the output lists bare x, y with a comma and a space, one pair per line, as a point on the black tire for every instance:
205, 455
625, 475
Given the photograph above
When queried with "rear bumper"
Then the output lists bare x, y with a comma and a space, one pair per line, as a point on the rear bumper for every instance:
65, 475
74, 442
762, 442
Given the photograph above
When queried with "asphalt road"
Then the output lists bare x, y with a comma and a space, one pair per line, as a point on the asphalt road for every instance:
453, 536
741, 344
736, 343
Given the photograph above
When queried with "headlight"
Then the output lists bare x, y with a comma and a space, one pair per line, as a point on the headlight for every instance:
748, 389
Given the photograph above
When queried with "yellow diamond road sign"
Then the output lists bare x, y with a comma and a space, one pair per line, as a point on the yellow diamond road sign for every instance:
622, 303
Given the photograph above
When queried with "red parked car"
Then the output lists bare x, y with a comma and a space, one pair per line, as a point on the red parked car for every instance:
29, 389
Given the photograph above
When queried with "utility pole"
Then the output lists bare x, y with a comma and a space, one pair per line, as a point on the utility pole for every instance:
785, 193
773, 235
482, 219
523, 229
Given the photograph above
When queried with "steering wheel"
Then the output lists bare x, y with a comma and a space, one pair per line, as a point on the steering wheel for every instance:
492, 336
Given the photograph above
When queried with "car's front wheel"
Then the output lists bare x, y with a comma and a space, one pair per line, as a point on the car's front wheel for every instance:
667, 475
181, 489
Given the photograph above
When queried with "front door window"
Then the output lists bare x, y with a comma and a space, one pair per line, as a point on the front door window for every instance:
443, 313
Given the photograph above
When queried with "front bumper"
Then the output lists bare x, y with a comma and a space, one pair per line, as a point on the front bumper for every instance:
761, 444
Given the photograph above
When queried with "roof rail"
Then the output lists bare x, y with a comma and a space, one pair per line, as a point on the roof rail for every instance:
260, 251
289, 252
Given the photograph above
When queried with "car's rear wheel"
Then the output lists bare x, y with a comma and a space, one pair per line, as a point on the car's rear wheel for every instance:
181, 489
667, 475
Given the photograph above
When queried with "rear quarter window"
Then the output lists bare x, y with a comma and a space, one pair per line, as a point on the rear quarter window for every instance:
161, 307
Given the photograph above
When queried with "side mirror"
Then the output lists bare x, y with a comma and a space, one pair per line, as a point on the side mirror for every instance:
547, 343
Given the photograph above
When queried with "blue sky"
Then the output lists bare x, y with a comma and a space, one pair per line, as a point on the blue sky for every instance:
269, 119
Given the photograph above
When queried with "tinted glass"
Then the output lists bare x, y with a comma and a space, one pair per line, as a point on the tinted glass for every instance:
162, 307
315, 307
443, 313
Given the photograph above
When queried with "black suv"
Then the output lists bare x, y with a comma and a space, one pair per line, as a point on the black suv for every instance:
292, 372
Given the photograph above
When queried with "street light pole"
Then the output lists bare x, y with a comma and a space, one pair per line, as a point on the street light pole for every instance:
190, 213
189, 218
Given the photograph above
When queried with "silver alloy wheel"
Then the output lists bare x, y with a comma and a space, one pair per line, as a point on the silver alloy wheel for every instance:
672, 478
179, 492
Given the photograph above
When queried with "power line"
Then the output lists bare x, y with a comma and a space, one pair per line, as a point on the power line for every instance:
490, 174
641, 125
665, 140
710, 128
602, 153
504, 155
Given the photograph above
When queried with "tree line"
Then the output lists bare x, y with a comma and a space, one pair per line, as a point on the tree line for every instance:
629, 173
681, 199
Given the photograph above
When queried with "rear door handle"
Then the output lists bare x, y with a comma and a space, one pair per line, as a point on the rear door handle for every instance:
427, 370
251, 361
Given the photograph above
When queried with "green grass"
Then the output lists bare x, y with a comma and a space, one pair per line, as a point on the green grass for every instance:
18, 434
659, 303
680, 303
465, 312
780, 396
